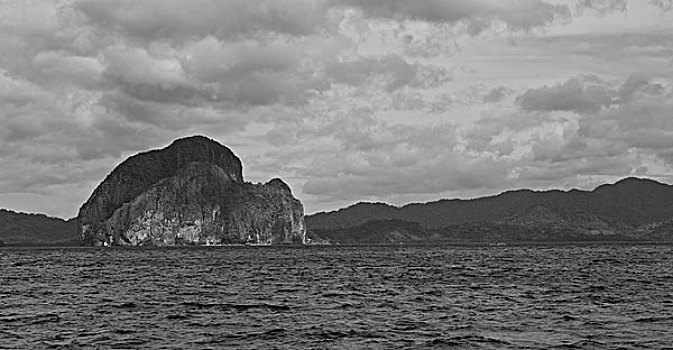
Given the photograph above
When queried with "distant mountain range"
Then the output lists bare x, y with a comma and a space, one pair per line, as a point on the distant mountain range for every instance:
36, 230
631, 209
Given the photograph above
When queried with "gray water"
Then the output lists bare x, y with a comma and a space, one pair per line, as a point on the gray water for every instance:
563, 297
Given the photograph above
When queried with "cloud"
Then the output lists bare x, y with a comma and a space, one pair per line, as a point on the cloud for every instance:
137, 67
601, 7
519, 15
374, 160
384, 98
33, 18
583, 127
640, 123
337, 157
555, 173
256, 73
185, 20
213, 60
664, 5
638, 86
620, 49
497, 94
589, 94
59, 67
581, 95
395, 71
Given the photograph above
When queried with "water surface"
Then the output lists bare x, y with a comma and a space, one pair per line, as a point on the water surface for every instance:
384, 297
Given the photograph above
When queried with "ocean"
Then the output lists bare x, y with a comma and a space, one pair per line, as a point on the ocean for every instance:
583, 296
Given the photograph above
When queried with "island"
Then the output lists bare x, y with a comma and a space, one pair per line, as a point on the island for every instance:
191, 192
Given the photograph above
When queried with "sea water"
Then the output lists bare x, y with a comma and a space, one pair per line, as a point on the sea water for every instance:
376, 297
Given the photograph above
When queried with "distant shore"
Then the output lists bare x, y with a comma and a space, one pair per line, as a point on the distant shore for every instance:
347, 245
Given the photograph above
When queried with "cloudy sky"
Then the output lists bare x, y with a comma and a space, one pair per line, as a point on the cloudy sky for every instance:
347, 100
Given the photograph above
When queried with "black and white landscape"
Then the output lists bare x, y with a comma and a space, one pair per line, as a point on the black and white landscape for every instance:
336, 174
199, 204
347, 101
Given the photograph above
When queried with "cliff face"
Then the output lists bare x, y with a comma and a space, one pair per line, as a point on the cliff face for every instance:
189, 193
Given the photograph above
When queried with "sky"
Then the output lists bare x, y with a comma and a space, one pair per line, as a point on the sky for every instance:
392, 101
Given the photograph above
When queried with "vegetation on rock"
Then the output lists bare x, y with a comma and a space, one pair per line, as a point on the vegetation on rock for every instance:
189, 193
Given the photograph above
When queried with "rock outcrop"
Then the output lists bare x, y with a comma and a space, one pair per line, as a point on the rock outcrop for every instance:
189, 193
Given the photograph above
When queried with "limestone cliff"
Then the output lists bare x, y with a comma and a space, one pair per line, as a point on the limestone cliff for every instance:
189, 193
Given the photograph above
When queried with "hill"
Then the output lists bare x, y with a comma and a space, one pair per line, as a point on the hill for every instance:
632, 208
36, 229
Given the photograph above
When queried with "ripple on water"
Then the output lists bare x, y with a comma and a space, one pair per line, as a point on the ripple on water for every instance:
561, 297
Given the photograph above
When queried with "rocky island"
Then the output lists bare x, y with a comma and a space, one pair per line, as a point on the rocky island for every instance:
189, 193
